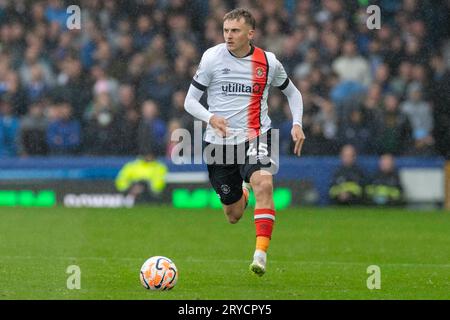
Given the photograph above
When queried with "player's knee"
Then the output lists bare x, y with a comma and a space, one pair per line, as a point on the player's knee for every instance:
263, 188
233, 219
233, 215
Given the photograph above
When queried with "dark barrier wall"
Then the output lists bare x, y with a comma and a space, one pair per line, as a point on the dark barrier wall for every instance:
316, 171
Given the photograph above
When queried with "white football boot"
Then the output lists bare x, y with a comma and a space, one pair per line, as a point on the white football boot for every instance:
258, 265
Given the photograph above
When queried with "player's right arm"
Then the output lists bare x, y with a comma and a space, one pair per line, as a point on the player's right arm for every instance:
198, 86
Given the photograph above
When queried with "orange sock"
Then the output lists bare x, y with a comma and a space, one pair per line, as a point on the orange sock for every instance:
262, 243
264, 221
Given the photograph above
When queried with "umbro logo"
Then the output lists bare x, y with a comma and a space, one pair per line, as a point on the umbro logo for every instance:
225, 71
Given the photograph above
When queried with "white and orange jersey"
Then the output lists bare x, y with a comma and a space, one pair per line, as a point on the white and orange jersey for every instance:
237, 90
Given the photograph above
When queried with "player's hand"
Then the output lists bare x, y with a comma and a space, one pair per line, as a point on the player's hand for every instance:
299, 137
219, 123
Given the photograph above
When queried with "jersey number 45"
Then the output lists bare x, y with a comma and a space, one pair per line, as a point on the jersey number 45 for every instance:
261, 151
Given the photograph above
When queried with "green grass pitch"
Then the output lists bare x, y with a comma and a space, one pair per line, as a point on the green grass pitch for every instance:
316, 253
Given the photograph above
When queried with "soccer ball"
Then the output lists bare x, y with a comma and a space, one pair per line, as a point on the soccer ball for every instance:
159, 273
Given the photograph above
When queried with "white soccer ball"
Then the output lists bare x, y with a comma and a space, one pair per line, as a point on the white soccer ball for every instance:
159, 273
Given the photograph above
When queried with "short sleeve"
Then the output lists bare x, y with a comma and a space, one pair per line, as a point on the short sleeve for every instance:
202, 77
280, 78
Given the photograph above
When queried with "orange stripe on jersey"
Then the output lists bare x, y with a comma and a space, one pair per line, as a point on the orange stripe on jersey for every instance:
260, 70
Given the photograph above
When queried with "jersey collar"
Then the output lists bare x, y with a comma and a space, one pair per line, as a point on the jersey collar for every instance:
252, 49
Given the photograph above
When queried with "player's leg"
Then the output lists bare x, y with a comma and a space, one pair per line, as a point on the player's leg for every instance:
227, 183
235, 211
258, 171
262, 185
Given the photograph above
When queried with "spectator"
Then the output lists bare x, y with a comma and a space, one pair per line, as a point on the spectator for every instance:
174, 124
318, 82
125, 51
356, 131
127, 97
276, 112
159, 87
152, 129
347, 186
101, 126
371, 109
136, 74
326, 116
36, 88
56, 12
144, 178
350, 66
213, 32
9, 129
440, 98
128, 120
385, 187
32, 136
420, 116
144, 32
63, 48
305, 68
11, 89
394, 133
105, 83
181, 76
32, 59
273, 40
400, 82
381, 77
289, 55
63, 132
128, 132
377, 49
394, 55
177, 111
318, 144
322, 136
74, 86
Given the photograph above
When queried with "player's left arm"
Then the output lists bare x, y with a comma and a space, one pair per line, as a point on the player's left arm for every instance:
295, 102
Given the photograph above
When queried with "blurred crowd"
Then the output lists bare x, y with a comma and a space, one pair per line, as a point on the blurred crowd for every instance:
117, 85
350, 185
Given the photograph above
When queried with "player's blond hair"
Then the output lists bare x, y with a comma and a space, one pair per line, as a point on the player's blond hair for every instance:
238, 13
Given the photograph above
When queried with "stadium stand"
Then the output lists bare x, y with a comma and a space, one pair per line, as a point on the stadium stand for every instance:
383, 90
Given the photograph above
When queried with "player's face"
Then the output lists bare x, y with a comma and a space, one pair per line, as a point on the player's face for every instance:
237, 35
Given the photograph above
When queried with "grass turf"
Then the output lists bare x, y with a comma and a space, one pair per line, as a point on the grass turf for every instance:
315, 253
